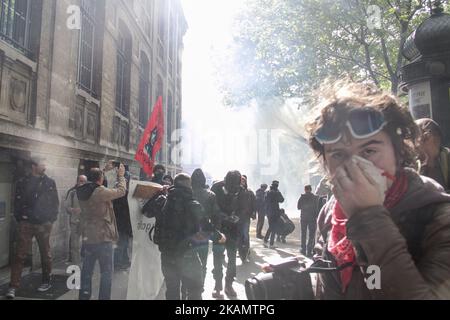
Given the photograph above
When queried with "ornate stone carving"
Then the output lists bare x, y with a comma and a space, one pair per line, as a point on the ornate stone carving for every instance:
79, 121
91, 125
124, 134
18, 94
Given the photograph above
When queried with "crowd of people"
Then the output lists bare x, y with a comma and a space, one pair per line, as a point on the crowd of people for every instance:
383, 201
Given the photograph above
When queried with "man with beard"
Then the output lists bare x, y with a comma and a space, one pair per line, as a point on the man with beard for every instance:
227, 193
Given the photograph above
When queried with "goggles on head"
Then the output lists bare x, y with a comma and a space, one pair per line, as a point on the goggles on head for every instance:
362, 123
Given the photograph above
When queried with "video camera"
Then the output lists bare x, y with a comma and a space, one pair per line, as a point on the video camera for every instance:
288, 279
284, 280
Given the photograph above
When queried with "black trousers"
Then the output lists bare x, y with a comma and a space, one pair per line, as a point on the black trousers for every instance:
260, 223
307, 226
273, 228
182, 270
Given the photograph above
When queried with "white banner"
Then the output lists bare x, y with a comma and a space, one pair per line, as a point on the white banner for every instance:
146, 278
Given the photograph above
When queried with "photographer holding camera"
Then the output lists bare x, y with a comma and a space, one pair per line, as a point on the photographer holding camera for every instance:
99, 229
383, 213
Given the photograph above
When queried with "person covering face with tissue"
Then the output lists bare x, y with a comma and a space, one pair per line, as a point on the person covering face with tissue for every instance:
382, 212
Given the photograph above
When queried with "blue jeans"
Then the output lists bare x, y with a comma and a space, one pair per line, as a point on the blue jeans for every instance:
103, 252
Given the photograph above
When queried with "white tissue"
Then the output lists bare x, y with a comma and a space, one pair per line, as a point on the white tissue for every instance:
374, 172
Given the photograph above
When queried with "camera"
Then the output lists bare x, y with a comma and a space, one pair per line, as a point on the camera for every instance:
289, 279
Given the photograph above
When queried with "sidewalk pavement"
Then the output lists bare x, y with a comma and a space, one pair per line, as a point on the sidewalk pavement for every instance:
259, 256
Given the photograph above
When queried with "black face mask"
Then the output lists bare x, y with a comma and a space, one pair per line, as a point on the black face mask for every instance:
159, 174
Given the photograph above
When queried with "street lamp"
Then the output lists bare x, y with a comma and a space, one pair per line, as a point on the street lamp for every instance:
426, 78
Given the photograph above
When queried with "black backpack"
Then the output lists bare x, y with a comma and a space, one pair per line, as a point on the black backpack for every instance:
170, 225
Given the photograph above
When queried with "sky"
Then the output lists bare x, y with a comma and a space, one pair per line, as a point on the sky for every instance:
204, 116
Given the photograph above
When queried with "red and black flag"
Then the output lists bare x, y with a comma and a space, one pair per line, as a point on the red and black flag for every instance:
152, 139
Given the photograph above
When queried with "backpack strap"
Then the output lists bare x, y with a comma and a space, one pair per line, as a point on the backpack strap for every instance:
444, 162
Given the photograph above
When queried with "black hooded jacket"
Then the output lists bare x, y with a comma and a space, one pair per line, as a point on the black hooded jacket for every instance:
178, 221
207, 199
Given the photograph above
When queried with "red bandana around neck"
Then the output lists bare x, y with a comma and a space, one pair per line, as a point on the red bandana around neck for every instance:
338, 244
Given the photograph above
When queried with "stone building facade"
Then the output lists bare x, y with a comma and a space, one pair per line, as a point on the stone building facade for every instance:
78, 79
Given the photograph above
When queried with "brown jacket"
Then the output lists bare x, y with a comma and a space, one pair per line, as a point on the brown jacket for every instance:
98, 221
410, 243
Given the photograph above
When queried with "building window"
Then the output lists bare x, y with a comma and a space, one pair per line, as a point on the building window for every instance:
90, 50
159, 87
15, 23
123, 70
86, 49
172, 41
169, 116
161, 31
144, 85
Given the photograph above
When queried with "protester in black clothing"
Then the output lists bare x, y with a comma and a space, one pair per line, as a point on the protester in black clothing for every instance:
158, 174
176, 234
227, 193
273, 200
260, 209
122, 213
246, 211
309, 205
167, 180
36, 208
207, 199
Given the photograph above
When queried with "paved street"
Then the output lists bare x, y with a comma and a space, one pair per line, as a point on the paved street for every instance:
259, 255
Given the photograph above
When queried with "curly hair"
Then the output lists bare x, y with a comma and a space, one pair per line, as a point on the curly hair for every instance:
334, 101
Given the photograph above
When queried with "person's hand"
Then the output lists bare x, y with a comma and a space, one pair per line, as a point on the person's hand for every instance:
354, 189
165, 189
76, 210
121, 171
222, 239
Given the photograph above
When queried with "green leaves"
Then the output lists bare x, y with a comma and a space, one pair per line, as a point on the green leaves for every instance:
285, 47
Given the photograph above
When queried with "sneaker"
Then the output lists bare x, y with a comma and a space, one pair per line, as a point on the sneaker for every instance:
260, 236
217, 294
11, 294
265, 244
44, 287
272, 246
229, 291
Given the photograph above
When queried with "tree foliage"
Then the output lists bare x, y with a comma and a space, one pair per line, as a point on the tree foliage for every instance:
284, 48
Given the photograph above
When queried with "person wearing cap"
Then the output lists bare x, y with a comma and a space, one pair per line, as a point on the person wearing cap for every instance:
36, 208
260, 209
386, 230
433, 156
273, 200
